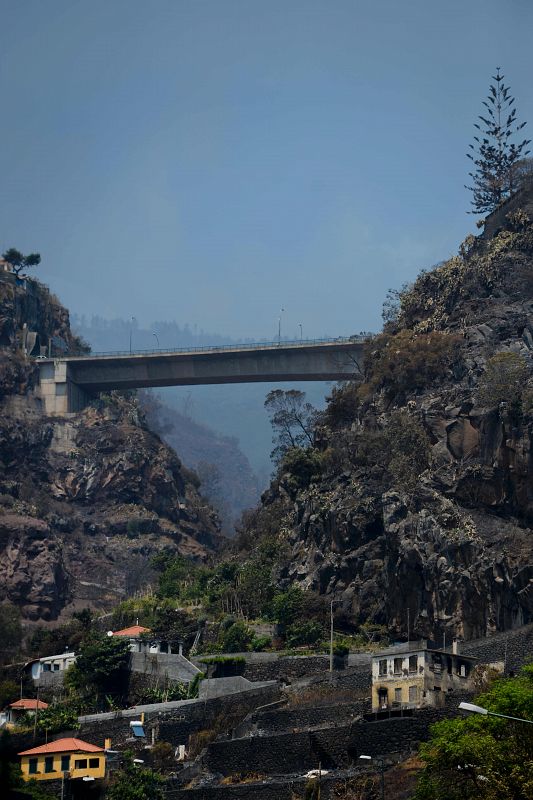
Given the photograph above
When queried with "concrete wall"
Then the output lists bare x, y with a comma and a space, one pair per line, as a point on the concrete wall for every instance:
165, 665
175, 721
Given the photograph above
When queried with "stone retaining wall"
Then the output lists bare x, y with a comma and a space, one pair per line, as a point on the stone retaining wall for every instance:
297, 719
515, 647
174, 722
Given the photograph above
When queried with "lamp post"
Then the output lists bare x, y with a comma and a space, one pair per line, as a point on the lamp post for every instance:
279, 325
331, 634
470, 708
381, 763
131, 329
301, 331
157, 339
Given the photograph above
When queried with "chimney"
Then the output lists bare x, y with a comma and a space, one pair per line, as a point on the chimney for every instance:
107, 744
455, 646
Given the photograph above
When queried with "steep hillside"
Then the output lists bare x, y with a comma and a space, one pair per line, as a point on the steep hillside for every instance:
227, 479
414, 508
85, 501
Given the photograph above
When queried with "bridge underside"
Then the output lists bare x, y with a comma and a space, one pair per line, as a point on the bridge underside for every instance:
68, 384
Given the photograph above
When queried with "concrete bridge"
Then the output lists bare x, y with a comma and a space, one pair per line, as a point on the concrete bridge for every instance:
68, 383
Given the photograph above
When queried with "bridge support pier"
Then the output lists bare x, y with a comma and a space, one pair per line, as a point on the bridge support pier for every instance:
59, 394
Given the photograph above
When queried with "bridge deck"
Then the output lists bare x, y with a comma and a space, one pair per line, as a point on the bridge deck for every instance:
74, 377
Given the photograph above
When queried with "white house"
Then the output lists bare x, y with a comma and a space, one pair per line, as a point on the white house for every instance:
51, 669
141, 642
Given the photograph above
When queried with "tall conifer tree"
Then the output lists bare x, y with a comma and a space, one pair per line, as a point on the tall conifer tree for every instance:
494, 154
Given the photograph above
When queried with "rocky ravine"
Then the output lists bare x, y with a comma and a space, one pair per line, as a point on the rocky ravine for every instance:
85, 502
416, 505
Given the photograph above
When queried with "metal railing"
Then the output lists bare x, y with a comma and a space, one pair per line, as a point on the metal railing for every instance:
358, 338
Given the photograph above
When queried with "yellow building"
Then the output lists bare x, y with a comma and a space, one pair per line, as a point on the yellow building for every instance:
68, 758
414, 675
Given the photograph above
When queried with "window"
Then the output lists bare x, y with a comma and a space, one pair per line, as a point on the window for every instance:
56, 667
413, 694
413, 663
80, 763
383, 667
398, 695
94, 763
65, 763
49, 764
398, 666
33, 766
46, 668
463, 670
163, 647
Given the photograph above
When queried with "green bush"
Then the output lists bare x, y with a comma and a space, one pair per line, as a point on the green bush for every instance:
304, 633
404, 363
340, 649
260, 643
298, 468
58, 717
237, 638
503, 384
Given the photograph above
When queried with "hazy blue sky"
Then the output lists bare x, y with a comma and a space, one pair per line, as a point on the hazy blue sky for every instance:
212, 160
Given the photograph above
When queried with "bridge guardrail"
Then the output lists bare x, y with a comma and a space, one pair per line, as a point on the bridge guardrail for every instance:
226, 347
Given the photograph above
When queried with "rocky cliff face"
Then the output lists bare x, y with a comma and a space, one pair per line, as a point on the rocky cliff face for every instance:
85, 502
415, 506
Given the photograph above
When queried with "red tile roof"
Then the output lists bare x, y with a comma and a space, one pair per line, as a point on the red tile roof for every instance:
27, 704
64, 746
134, 630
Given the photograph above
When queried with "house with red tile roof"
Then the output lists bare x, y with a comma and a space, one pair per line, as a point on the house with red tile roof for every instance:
141, 641
15, 711
64, 758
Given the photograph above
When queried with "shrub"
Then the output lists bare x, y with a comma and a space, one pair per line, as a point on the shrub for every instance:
409, 449
340, 649
299, 468
407, 362
342, 406
236, 638
304, 633
503, 383
261, 643
57, 717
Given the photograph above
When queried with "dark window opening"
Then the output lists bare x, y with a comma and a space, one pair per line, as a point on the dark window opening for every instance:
94, 763
65, 763
49, 764
33, 766
80, 763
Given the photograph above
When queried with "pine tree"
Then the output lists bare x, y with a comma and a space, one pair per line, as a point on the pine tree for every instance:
494, 155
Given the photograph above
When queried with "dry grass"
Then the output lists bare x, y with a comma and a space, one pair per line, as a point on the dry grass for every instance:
324, 695
243, 777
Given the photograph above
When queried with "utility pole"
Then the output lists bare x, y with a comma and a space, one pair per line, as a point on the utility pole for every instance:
36, 714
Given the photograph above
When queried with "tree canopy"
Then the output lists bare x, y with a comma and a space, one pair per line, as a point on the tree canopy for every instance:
496, 157
483, 757
101, 669
292, 420
19, 261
